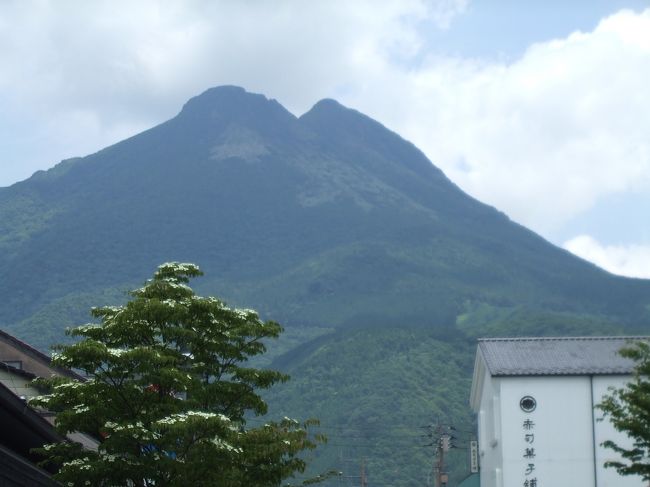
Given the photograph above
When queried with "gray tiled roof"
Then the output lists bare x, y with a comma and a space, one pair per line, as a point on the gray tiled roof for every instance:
556, 356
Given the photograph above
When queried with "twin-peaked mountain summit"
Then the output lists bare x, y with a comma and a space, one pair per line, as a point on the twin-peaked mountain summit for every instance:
328, 221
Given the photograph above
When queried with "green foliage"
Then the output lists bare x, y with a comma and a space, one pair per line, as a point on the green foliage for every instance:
167, 393
628, 409
485, 320
402, 380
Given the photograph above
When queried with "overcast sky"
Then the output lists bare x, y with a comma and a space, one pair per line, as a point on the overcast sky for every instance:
540, 108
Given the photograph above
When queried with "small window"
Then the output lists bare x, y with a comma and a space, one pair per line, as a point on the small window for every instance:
16, 364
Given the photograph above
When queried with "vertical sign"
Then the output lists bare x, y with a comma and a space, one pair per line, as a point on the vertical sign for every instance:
528, 404
473, 456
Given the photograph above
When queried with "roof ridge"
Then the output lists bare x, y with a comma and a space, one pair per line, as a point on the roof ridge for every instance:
568, 338
25, 346
37, 354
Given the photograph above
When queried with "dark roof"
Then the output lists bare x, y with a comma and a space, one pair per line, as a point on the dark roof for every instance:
16, 470
556, 356
28, 349
37, 354
22, 427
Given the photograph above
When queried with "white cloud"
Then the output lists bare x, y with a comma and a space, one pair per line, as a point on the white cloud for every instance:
624, 260
125, 59
544, 137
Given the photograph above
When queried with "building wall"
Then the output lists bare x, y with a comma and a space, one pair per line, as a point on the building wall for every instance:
608, 477
553, 444
17, 384
489, 421
557, 443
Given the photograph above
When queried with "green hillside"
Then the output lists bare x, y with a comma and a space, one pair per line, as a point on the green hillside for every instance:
403, 380
381, 269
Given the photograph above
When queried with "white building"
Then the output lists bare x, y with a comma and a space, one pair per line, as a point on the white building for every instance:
535, 401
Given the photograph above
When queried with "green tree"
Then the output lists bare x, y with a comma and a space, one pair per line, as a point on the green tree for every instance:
168, 395
628, 409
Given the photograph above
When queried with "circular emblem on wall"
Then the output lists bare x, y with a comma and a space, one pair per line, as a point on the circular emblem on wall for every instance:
528, 404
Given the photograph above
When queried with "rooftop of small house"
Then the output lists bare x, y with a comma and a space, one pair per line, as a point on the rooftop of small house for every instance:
557, 355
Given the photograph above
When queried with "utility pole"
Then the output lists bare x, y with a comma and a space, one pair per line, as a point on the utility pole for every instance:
442, 442
351, 480
443, 447
364, 479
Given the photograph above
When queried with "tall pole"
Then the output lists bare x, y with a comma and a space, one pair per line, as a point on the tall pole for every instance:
440, 453
441, 467
443, 443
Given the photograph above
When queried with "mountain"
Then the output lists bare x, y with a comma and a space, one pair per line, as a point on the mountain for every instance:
381, 269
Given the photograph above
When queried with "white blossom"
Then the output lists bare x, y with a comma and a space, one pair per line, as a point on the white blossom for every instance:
79, 462
218, 442
86, 328
116, 352
68, 385
182, 417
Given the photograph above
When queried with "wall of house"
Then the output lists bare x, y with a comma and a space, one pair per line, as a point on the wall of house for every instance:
17, 384
551, 445
489, 433
557, 443
608, 477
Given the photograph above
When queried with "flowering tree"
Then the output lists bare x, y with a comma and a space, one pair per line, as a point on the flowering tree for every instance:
167, 393
629, 411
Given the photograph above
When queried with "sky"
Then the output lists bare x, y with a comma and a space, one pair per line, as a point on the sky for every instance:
539, 108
